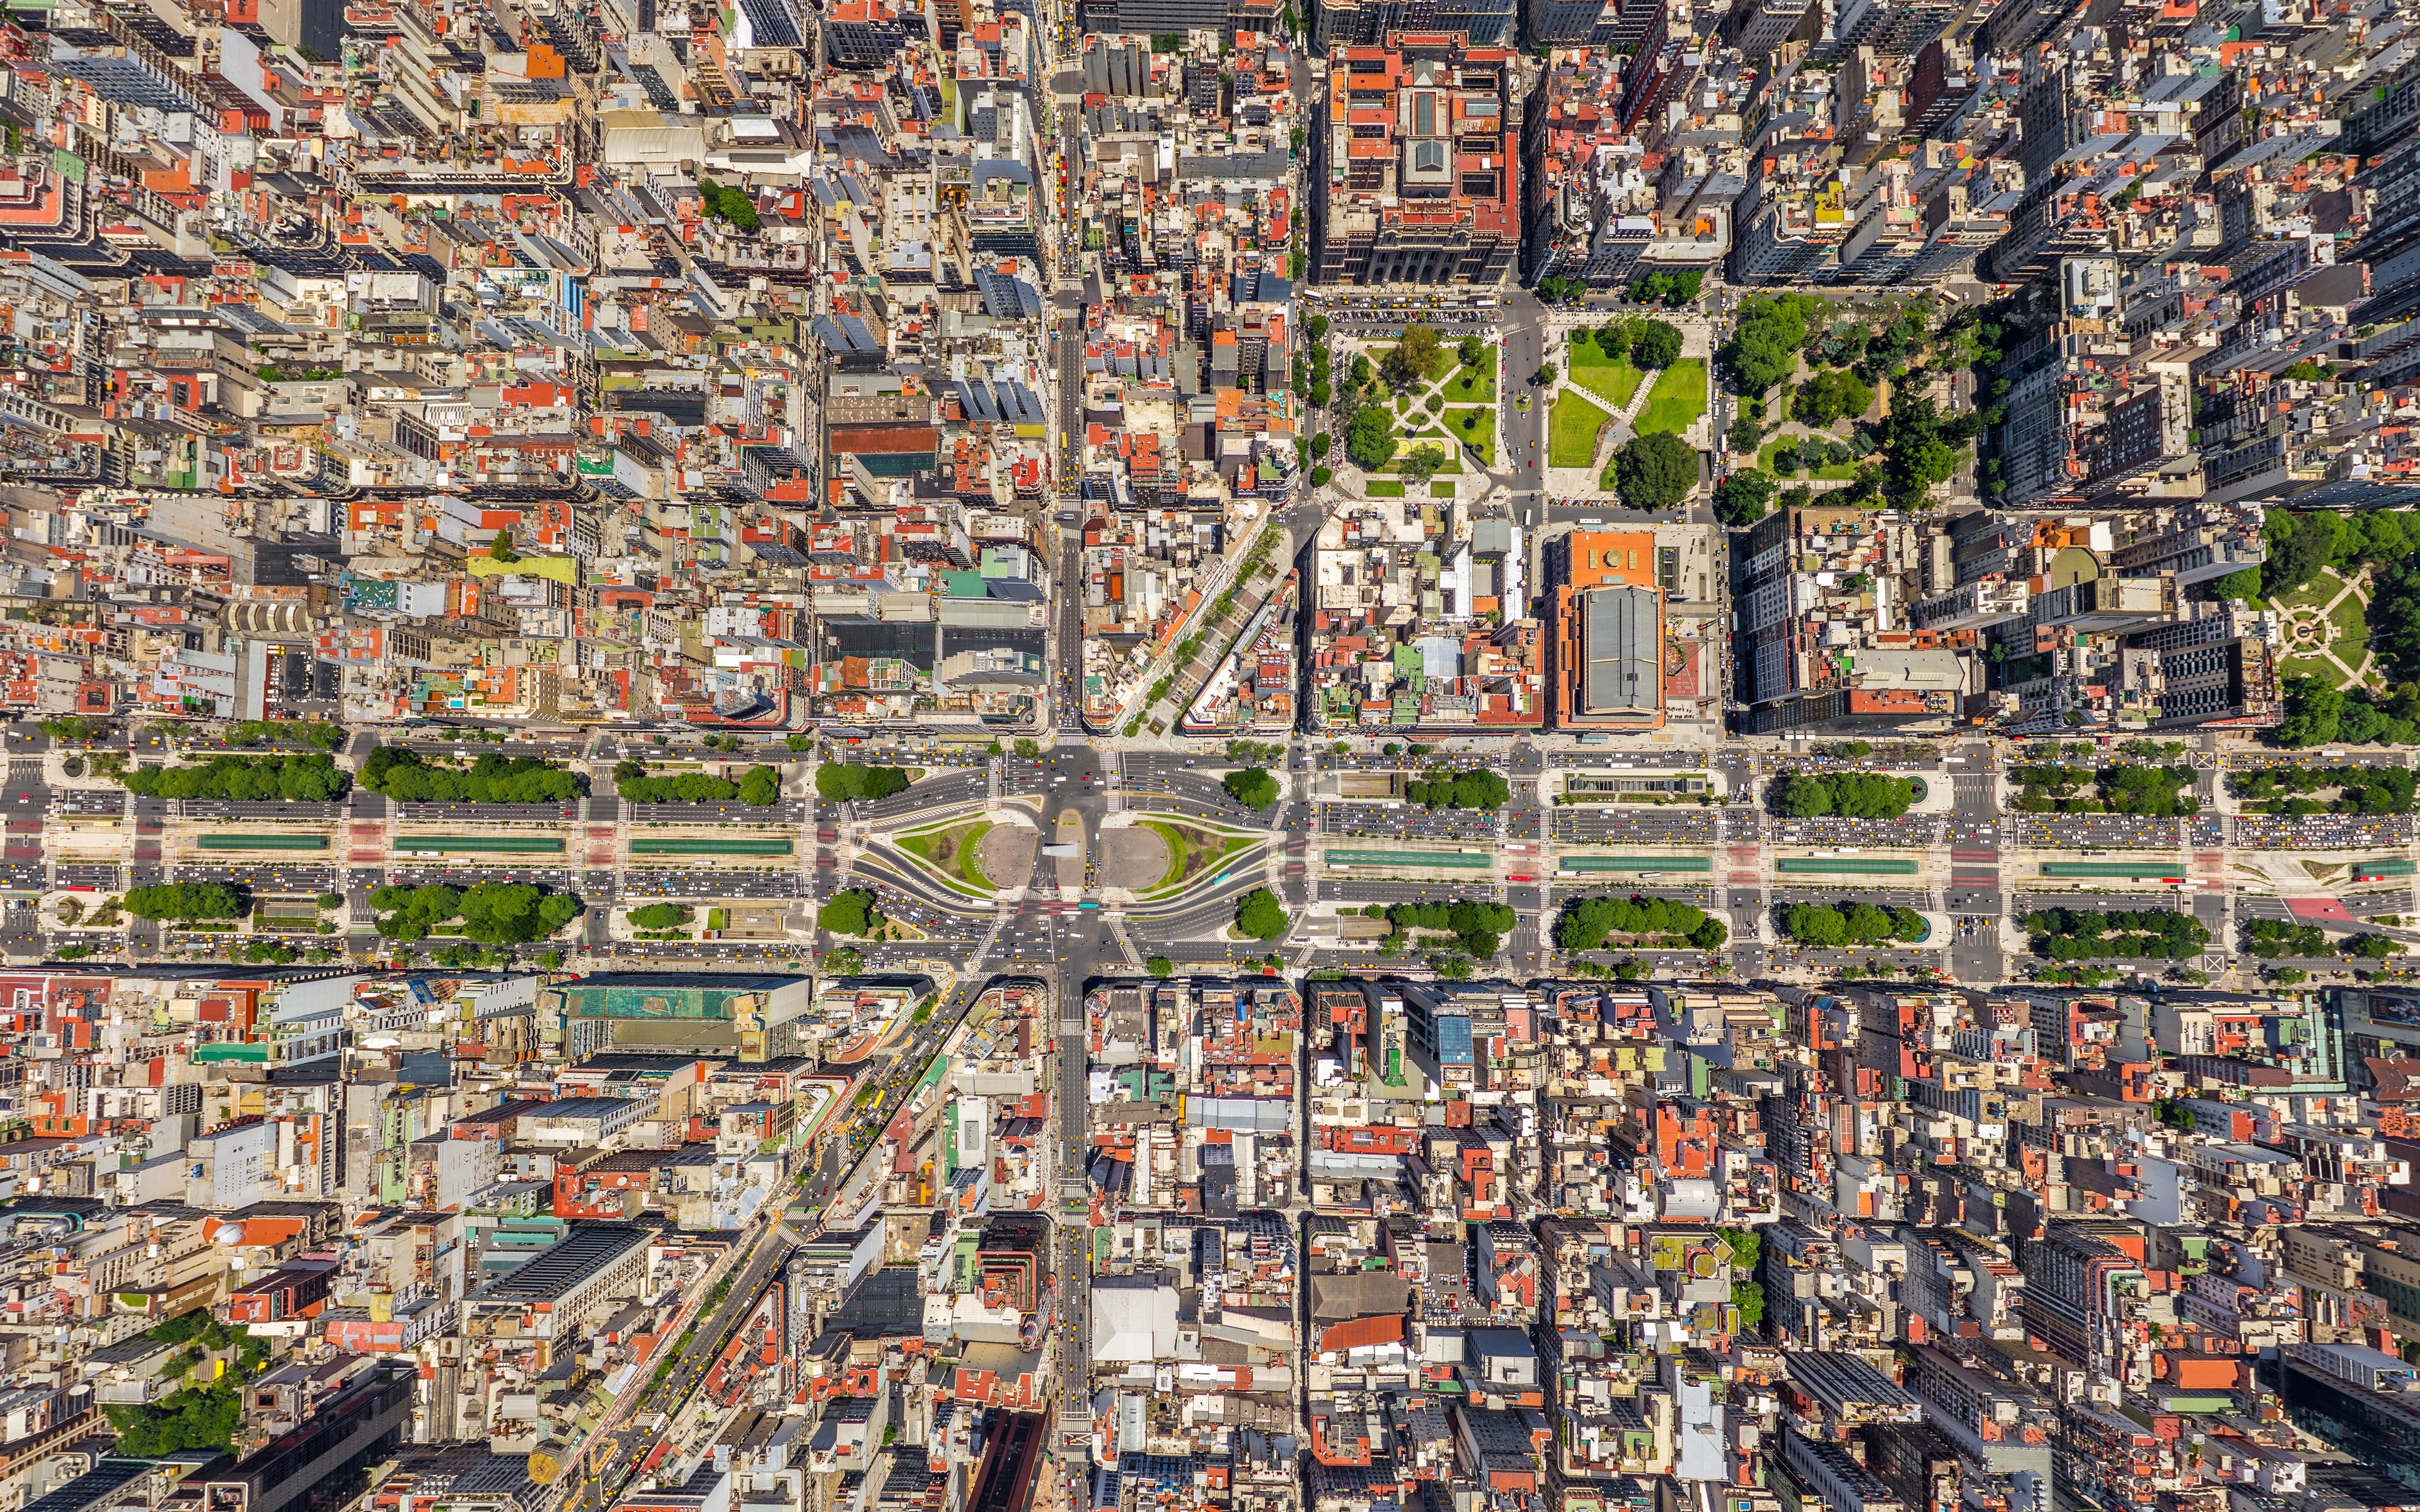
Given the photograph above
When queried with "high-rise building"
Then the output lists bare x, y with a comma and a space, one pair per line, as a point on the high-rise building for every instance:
1591, 24
317, 25
1422, 172
1759, 26
1368, 23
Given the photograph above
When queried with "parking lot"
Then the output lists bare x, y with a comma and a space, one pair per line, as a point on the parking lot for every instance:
1907, 829
1610, 823
669, 882
2115, 832
1378, 821
2320, 832
265, 878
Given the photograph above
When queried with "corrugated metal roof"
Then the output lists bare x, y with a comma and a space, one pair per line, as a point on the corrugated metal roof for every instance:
1623, 650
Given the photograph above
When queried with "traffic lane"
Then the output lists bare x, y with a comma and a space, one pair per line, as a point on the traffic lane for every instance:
662, 883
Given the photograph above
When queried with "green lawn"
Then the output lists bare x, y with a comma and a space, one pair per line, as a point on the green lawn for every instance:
1678, 397
971, 854
1572, 431
1473, 385
2318, 667
959, 869
1830, 469
2323, 586
1441, 488
1191, 851
1475, 426
1612, 380
2349, 622
1179, 848
1384, 488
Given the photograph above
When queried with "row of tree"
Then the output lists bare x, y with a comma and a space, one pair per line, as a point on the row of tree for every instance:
761, 786
1827, 927
1676, 287
1846, 795
2359, 789
2273, 939
303, 779
1588, 923
1477, 789
2152, 792
405, 777
280, 732
184, 900
493, 912
2092, 934
845, 781
1478, 928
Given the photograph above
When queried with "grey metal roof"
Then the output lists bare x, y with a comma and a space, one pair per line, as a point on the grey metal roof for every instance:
1624, 650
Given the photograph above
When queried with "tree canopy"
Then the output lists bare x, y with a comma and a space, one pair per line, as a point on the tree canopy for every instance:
841, 782
2394, 620
306, 778
1417, 355
1766, 338
184, 900
402, 775
1655, 344
1260, 914
2090, 934
1478, 928
731, 206
1370, 437
493, 912
2298, 546
1588, 923
849, 912
1476, 789
1848, 795
1920, 446
761, 786
1250, 786
1678, 287
194, 1417
1827, 927
2320, 714
1742, 498
1829, 395
1656, 471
